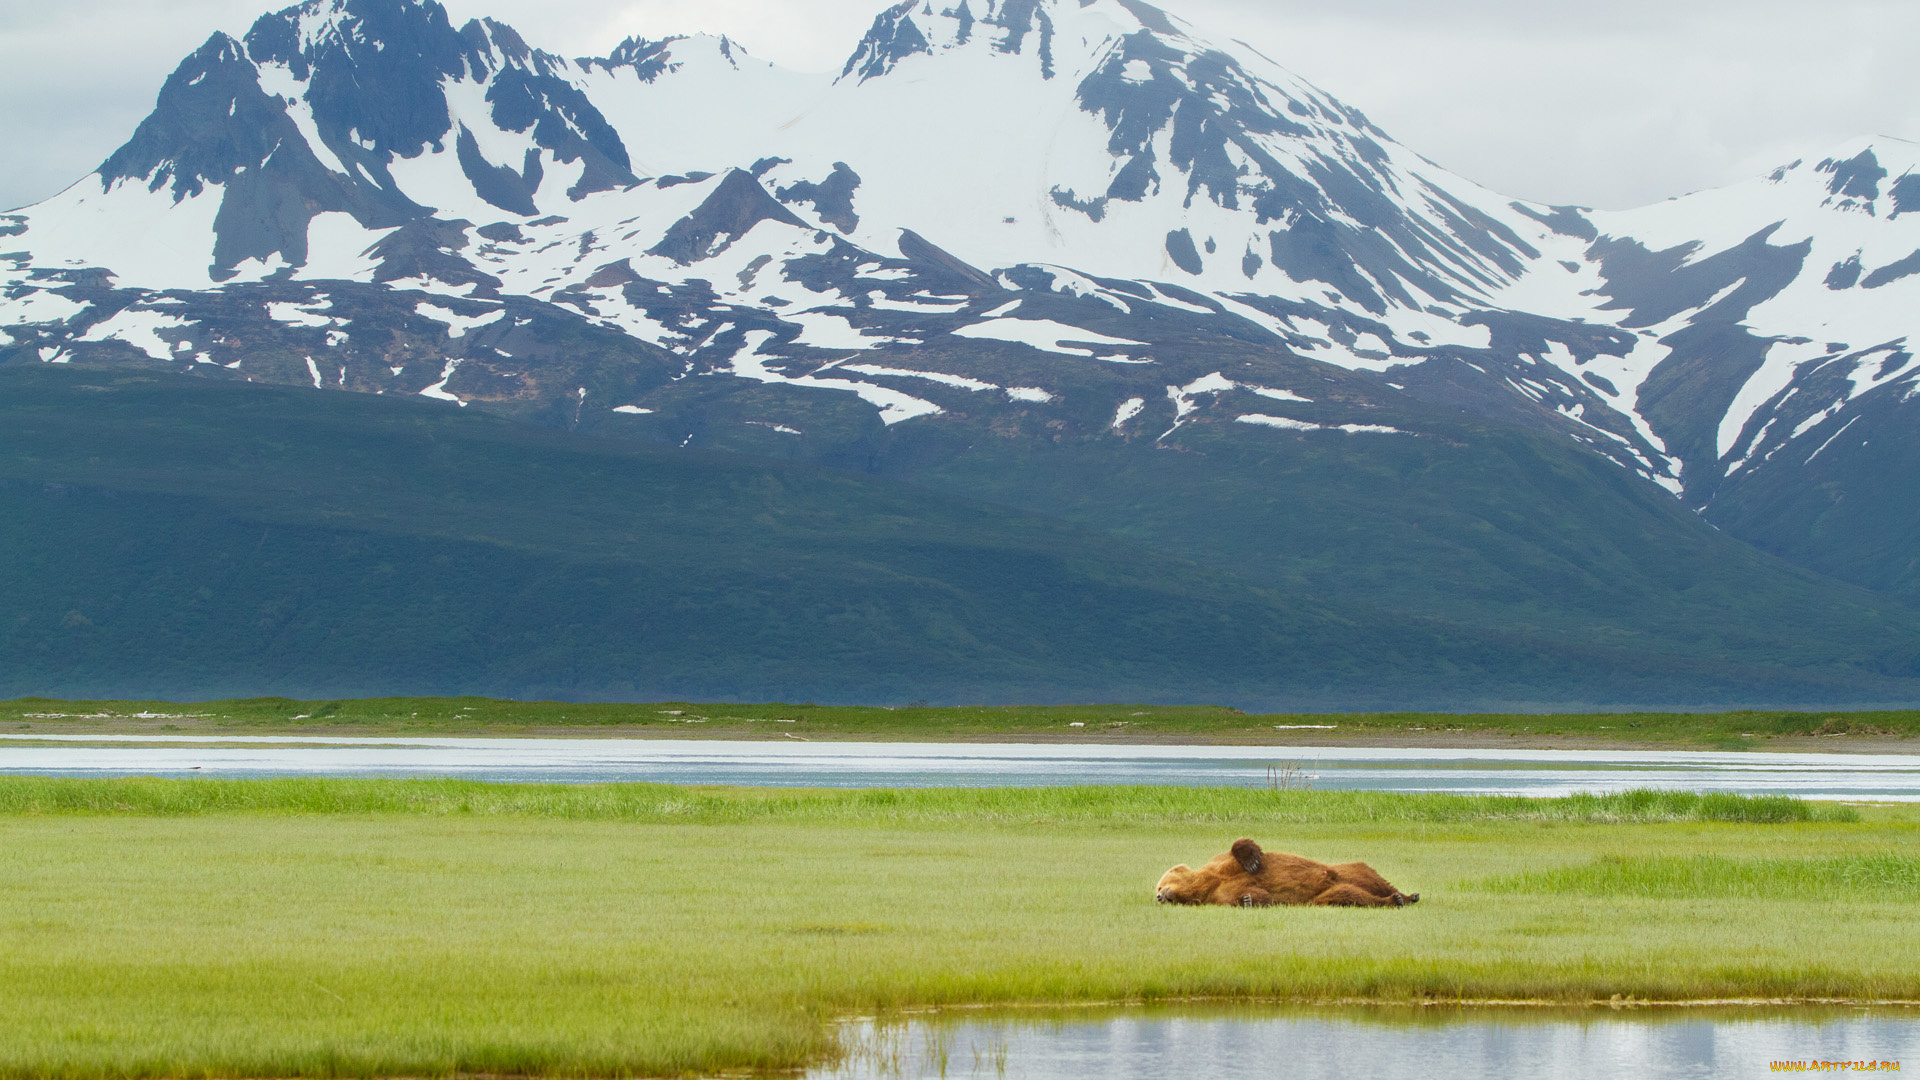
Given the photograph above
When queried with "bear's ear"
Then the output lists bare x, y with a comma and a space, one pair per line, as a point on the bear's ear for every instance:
1247, 854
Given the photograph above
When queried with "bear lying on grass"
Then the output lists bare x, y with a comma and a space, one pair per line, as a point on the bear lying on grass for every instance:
1249, 877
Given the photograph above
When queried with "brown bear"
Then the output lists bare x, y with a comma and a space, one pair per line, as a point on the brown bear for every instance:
1248, 877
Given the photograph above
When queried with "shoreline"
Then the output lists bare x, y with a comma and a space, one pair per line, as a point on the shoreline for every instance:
1615, 1003
1315, 738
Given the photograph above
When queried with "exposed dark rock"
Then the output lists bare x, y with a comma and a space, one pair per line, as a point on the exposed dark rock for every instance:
1893, 271
676, 181
737, 204
1150, 17
211, 120
963, 15
563, 121
1857, 177
1020, 18
1687, 394
502, 232
893, 38
427, 249
1565, 220
1654, 286
1095, 209
832, 198
1906, 195
1313, 249
504, 187
613, 273
377, 72
648, 59
1845, 274
1181, 250
918, 250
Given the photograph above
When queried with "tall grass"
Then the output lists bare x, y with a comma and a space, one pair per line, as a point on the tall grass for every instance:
659, 803
329, 929
1880, 876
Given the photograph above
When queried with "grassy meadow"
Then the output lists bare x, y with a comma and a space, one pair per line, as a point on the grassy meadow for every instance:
426, 928
1824, 730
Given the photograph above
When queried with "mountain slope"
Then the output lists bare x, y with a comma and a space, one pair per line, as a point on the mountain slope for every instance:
181, 537
1075, 258
193, 538
371, 140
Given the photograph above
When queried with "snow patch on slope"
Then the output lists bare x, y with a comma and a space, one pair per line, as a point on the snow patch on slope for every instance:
144, 237
140, 329
38, 308
294, 314
1049, 336
458, 325
959, 381
894, 406
1774, 375
1301, 425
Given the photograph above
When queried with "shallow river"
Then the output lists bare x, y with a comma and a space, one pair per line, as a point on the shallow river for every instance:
795, 763
1322, 1044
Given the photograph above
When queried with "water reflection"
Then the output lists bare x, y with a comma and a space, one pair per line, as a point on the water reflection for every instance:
786, 763
1324, 1044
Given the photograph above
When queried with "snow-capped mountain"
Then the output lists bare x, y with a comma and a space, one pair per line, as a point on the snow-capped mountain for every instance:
1078, 217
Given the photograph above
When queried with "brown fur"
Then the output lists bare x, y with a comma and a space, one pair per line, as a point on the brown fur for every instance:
1249, 877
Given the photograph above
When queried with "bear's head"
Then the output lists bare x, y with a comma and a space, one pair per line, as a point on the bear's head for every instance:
1184, 885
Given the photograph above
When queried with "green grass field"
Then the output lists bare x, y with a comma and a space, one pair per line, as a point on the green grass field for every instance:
426, 928
1190, 723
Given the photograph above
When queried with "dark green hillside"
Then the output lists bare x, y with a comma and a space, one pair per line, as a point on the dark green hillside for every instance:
168, 536
1853, 511
1497, 522
1476, 524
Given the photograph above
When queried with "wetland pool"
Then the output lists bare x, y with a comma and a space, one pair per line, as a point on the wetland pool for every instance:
795, 763
1509, 1043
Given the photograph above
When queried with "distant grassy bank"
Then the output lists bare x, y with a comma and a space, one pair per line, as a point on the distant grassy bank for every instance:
1194, 723
672, 804
426, 928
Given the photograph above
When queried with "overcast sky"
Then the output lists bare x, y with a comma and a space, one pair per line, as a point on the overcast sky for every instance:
1607, 103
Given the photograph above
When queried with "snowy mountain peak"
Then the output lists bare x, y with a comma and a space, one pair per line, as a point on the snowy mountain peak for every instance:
1011, 27
1068, 177
894, 37
916, 27
312, 24
1022, 28
1874, 176
379, 110
393, 42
